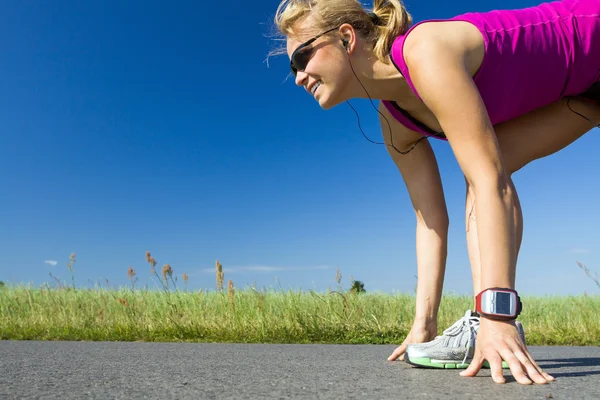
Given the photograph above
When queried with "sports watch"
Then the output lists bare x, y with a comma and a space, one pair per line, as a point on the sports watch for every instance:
498, 303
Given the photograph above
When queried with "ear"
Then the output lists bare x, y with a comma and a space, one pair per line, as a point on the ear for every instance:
348, 36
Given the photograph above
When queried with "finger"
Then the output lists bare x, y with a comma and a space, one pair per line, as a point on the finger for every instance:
516, 367
474, 367
495, 362
534, 371
399, 352
546, 375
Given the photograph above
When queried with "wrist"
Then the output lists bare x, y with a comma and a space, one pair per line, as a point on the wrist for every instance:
486, 321
427, 305
425, 319
498, 304
426, 310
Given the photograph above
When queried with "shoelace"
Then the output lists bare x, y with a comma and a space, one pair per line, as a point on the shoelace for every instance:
468, 321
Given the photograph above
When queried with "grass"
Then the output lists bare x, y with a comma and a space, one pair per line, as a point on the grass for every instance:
64, 312
252, 316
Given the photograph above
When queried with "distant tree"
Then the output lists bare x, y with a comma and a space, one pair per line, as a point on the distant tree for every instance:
357, 287
1, 284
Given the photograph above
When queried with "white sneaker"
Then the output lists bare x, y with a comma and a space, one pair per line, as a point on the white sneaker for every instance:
454, 349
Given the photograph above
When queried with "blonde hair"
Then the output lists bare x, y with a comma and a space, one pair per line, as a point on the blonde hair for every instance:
392, 20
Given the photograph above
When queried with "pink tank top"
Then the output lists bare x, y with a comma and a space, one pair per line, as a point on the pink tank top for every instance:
533, 57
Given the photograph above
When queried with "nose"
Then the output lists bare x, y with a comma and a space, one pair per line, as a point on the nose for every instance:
301, 78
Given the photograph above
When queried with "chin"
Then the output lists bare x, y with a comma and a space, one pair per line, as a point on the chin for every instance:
327, 102
335, 93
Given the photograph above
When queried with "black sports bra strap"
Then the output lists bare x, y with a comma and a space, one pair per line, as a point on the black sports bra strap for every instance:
417, 122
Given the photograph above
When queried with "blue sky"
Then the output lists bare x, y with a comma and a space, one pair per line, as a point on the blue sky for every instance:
135, 126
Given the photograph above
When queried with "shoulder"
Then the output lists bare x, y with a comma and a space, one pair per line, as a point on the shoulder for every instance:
440, 42
433, 36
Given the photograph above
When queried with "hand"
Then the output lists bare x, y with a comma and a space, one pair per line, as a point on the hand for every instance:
500, 340
418, 334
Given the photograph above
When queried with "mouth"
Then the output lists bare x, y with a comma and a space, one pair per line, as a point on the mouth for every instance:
314, 88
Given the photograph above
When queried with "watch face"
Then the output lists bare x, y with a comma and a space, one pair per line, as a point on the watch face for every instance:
498, 303
503, 303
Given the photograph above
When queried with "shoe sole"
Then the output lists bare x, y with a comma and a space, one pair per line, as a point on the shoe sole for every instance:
424, 362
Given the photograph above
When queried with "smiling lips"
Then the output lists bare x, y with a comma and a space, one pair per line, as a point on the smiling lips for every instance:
314, 88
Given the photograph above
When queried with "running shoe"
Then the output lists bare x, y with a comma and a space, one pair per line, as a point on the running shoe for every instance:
453, 349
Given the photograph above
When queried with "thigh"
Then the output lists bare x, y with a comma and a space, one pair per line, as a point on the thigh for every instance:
544, 131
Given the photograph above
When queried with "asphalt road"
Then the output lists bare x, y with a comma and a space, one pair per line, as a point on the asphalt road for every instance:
99, 370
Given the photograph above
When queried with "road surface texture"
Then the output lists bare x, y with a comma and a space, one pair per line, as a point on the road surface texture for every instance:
100, 370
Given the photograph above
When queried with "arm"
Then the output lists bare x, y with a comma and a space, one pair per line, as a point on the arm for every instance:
421, 176
439, 72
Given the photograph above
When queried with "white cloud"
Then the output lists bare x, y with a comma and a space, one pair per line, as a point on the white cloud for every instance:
263, 268
580, 251
51, 262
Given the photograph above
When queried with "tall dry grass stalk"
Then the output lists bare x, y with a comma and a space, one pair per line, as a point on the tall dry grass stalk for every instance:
167, 272
70, 265
152, 263
220, 276
231, 293
184, 276
131, 276
587, 271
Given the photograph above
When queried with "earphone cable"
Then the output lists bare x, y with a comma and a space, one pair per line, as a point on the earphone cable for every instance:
386, 120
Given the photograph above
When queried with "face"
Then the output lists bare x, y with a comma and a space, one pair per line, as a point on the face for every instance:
320, 66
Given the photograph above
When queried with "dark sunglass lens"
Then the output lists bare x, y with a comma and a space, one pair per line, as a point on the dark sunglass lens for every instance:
302, 58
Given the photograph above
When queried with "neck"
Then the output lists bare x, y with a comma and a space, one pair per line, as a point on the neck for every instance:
381, 81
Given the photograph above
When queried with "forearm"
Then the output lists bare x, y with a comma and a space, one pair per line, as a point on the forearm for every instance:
432, 249
494, 205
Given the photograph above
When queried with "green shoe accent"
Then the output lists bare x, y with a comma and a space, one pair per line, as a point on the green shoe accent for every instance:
423, 362
428, 363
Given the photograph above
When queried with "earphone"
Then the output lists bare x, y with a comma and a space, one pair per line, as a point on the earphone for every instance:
345, 43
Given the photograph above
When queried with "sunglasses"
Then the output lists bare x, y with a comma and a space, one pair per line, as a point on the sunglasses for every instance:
301, 56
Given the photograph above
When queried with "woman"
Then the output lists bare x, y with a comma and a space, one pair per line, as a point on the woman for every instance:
503, 88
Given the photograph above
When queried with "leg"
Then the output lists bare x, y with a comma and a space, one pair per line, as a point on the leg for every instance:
532, 136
